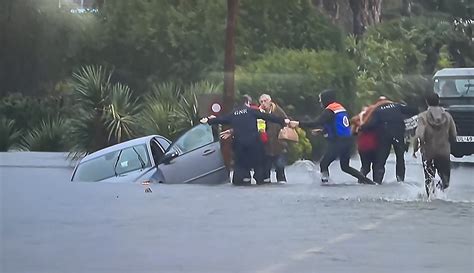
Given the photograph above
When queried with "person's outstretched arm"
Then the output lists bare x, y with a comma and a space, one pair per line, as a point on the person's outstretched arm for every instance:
420, 130
325, 117
269, 117
211, 120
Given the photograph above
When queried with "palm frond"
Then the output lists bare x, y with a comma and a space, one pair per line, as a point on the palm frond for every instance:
91, 85
121, 113
204, 87
165, 92
187, 112
156, 119
171, 109
9, 136
47, 136
106, 113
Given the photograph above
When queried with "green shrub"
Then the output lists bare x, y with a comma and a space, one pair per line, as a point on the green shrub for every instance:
28, 111
298, 24
294, 78
300, 150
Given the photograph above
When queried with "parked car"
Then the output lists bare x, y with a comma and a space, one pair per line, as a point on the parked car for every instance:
195, 157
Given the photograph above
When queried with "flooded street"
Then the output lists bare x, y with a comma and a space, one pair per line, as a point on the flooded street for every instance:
51, 225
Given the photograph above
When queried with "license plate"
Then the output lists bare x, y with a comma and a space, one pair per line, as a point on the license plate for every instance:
465, 139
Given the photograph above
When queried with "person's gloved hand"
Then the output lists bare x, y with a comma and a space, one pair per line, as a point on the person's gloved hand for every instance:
226, 134
205, 120
316, 132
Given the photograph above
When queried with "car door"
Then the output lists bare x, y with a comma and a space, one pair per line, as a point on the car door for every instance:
195, 158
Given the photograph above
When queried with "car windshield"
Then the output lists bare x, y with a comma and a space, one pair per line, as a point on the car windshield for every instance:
455, 87
113, 164
197, 137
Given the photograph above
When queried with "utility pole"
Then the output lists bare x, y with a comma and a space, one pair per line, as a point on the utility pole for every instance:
229, 69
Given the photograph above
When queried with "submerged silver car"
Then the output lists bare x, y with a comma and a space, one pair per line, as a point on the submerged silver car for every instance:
195, 157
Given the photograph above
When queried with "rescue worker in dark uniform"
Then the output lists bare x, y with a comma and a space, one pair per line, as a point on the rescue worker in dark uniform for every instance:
334, 119
247, 145
388, 120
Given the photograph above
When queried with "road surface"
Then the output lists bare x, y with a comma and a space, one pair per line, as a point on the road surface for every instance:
51, 225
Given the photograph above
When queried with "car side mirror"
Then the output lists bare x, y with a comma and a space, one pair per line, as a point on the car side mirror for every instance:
168, 157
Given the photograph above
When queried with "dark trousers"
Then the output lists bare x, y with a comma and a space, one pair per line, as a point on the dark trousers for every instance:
442, 165
367, 159
383, 151
277, 161
341, 148
248, 156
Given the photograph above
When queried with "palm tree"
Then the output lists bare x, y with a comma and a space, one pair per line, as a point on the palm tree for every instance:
158, 107
170, 109
187, 113
106, 112
48, 136
121, 113
9, 136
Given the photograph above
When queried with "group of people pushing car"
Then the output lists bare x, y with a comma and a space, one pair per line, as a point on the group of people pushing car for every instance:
256, 146
378, 128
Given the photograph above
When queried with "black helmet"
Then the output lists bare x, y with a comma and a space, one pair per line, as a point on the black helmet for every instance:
327, 97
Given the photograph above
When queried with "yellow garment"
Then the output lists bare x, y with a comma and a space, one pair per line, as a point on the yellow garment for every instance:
261, 125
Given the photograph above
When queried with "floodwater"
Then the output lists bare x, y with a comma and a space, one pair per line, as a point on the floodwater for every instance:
49, 224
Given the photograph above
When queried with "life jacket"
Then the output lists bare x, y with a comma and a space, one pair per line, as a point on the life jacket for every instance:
340, 127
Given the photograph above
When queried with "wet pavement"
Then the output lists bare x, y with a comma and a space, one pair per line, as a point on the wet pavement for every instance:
51, 225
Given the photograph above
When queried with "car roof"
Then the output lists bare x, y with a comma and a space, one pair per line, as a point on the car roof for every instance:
452, 72
116, 147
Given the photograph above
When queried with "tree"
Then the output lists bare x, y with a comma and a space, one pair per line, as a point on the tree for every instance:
406, 7
39, 44
294, 78
266, 25
365, 13
147, 41
338, 11
9, 135
47, 136
105, 112
171, 109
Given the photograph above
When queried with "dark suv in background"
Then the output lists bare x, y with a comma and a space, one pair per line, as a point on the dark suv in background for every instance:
455, 86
